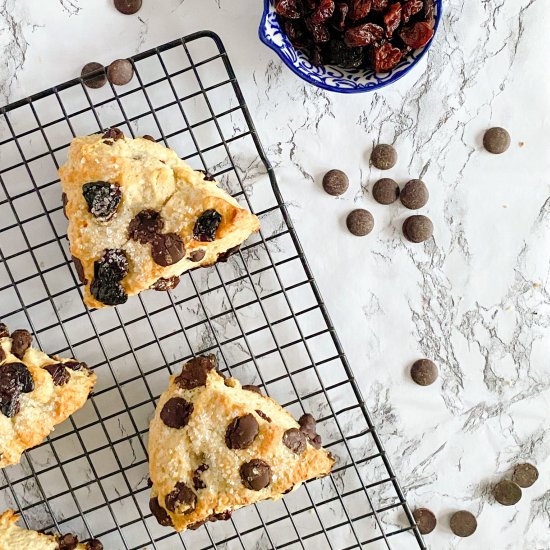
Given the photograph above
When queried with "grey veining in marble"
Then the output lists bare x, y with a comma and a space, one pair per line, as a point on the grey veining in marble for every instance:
475, 299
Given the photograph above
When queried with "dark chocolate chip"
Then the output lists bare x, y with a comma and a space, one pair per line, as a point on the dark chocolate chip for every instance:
424, 372
120, 72
146, 226
224, 256
256, 474
525, 475
507, 492
176, 412
164, 284
149, 138
383, 157
463, 523
64, 201
67, 542
128, 7
241, 432
59, 374
360, 222
335, 182
261, 414
207, 175
93, 544
79, 270
414, 195
4, 331
425, 519
308, 426
385, 191
250, 387
197, 255
418, 228
21, 342
167, 249
2, 355
76, 365
181, 500
159, 512
93, 81
193, 373
295, 440
222, 516
113, 133
496, 140
198, 483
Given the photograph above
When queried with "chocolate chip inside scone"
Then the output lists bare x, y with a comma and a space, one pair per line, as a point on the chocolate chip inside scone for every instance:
295, 440
222, 516
103, 198
194, 372
114, 134
15, 378
176, 412
308, 426
207, 225
261, 414
162, 285
146, 226
79, 270
4, 331
197, 255
94, 544
21, 342
181, 500
167, 249
241, 432
207, 175
256, 474
59, 374
159, 512
64, 201
2, 355
67, 542
198, 483
224, 256
148, 138
250, 387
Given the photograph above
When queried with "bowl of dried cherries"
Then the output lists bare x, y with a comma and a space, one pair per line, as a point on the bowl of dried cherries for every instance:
350, 46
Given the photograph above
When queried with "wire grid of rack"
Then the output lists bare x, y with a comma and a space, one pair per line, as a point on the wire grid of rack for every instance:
260, 313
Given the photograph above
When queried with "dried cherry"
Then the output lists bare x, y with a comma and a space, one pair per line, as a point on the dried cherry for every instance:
324, 11
288, 8
429, 12
379, 5
385, 57
340, 14
410, 8
364, 35
319, 33
392, 19
418, 35
359, 9
206, 226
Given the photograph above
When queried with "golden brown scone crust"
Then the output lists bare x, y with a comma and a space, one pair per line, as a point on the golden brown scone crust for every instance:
150, 177
44, 407
175, 454
13, 537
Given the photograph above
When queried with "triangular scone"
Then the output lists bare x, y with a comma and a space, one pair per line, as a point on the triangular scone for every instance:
155, 215
13, 537
215, 446
37, 391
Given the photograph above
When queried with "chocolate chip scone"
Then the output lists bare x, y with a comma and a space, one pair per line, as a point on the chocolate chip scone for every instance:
13, 537
215, 446
139, 217
37, 391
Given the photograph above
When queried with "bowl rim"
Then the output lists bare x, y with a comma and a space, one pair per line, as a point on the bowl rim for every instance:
304, 76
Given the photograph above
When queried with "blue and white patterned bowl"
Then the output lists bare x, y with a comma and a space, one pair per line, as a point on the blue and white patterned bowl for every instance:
329, 77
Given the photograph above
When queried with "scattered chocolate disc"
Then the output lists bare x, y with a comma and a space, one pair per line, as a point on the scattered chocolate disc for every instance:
525, 475
383, 157
94, 81
418, 229
120, 72
414, 195
360, 222
424, 372
385, 191
335, 182
128, 7
507, 492
425, 519
463, 523
241, 432
256, 474
197, 255
496, 140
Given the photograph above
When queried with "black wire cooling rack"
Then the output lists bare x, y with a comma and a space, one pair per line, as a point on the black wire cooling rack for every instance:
261, 313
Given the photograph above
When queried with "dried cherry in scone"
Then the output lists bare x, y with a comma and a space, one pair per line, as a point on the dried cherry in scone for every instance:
112, 266
15, 378
206, 226
102, 198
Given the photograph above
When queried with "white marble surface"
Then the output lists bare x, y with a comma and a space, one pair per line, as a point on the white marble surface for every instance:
475, 299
